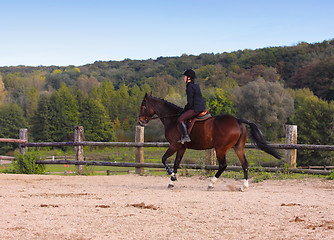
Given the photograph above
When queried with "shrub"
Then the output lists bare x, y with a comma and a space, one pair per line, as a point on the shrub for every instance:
26, 164
331, 176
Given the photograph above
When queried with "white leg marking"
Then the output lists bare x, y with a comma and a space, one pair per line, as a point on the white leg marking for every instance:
212, 182
245, 186
246, 183
171, 184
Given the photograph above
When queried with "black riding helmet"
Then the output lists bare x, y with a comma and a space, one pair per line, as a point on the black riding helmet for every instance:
190, 73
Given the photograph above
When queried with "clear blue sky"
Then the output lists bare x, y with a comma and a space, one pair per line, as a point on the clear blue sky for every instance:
78, 32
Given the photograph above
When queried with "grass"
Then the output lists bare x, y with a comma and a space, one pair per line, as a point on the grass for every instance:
254, 175
255, 158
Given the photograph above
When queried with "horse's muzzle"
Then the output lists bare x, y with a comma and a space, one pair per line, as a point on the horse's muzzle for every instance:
141, 123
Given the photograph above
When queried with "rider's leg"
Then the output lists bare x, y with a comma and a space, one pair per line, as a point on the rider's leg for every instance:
181, 121
185, 137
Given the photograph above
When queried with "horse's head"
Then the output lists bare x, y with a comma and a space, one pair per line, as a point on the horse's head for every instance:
146, 111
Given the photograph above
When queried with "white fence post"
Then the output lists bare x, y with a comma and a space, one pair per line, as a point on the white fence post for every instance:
291, 138
23, 135
78, 150
139, 151
210, 158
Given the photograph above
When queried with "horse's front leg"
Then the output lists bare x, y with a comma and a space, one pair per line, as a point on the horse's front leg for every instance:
167, 154
177, 161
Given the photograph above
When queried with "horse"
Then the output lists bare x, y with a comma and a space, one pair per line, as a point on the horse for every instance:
221, 132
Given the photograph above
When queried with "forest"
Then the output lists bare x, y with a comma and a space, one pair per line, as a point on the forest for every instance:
271, 87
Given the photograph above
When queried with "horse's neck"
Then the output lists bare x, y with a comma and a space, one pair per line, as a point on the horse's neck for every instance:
164, 112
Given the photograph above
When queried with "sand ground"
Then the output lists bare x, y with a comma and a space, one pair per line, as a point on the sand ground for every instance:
141, 207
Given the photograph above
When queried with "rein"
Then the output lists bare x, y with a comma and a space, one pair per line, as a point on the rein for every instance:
168, 116
156, 117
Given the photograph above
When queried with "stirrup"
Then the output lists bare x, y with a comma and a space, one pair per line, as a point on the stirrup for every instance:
184, 139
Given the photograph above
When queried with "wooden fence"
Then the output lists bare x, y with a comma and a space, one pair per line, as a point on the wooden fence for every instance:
290, 147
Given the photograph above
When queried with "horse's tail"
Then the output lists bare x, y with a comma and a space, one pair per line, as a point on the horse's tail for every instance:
258, 139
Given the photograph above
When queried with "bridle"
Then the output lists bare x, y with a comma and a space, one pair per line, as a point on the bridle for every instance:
146, 114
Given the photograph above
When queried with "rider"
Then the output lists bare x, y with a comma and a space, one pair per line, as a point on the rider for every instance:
195, 103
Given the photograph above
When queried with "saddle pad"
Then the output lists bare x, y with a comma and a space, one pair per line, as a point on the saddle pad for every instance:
204, 116
191, 123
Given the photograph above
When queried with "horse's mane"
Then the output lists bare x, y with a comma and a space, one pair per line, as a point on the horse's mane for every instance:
169, 104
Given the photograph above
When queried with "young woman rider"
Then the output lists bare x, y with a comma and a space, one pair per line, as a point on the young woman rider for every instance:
195, 103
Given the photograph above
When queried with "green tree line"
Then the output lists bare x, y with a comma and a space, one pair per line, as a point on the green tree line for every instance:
269, 86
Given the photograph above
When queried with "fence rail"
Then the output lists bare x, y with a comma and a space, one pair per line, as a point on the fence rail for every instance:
186, 166
6, 158
166, 144
12, 140
139, 144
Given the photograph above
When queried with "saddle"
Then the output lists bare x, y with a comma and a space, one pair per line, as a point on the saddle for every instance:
200, 117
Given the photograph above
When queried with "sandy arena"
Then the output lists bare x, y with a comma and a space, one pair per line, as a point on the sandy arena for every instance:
141, 207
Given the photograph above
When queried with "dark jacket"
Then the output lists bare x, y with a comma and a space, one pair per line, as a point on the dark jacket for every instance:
195, 100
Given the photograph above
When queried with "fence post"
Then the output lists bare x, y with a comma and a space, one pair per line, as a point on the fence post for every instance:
139, 151
78, 150
23, 135
210, 158
291, 138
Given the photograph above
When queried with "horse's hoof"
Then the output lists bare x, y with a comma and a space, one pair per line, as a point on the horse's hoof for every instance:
210, 188
173, 178
170, 186
244, 187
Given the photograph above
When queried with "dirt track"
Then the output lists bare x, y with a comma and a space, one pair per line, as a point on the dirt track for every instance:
134, 207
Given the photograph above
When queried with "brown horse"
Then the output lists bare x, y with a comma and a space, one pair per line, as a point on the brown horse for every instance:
221, 133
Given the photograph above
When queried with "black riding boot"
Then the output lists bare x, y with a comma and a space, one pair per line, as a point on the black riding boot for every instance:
185, 137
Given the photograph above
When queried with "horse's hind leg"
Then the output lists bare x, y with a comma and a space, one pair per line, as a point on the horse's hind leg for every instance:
241, 155
178, 158
221, 157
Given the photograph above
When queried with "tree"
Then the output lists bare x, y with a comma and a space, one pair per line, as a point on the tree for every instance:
160, 85
207, 71
220, 102
215, 76
136, 96
3, 91
95, 120
304, 65
11, 120
42, 120
106, 93
270, 74
315, 120
86, 84
17, 86
145, 88
318, 76
57, 79
176, 98
31, 103
63, 112
120, 102
37, 80
267, 104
